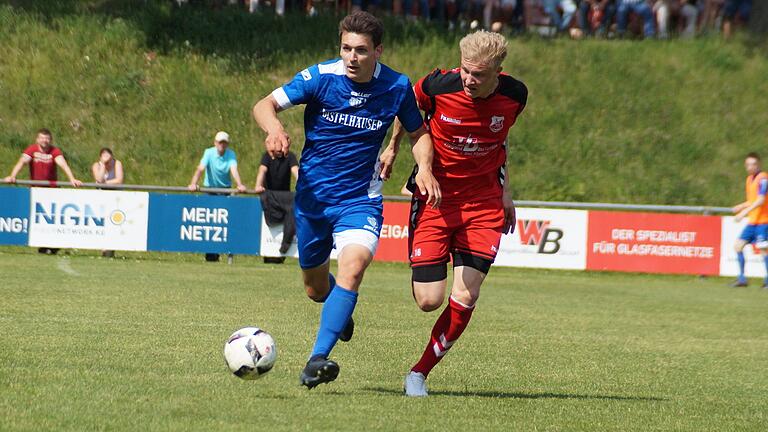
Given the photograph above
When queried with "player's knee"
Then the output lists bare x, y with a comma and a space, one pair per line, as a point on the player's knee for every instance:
429, 303
738, 247
466, 297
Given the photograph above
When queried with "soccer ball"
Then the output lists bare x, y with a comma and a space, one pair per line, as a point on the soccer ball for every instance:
250, 353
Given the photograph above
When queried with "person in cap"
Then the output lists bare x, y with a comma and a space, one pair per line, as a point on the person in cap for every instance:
219, 163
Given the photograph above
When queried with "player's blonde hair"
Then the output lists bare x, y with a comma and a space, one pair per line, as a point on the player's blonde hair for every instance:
484, 47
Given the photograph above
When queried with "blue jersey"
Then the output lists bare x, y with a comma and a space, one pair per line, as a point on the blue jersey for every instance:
345, 123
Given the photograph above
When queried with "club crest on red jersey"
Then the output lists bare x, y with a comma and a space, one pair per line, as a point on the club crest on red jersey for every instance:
497, 123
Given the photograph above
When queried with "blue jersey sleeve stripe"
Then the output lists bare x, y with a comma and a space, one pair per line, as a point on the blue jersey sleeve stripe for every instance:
763, 187
282, 98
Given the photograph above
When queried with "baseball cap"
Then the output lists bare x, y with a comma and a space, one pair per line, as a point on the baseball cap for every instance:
222, 136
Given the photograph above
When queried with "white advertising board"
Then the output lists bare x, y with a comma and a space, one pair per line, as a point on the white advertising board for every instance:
88, 219
546, 238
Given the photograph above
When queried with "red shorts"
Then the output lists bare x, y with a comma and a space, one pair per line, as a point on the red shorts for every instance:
467, 227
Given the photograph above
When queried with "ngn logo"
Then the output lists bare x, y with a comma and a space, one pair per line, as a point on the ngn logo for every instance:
68, 214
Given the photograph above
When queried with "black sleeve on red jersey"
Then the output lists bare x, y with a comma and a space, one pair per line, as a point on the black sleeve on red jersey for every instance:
514, 89
439, 82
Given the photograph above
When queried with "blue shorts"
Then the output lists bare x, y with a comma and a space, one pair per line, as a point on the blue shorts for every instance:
320, 229
757, 234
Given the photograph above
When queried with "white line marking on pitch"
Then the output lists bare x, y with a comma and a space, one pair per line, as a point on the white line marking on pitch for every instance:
63, 265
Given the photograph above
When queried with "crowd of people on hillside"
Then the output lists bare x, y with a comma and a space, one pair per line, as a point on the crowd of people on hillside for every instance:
575, 18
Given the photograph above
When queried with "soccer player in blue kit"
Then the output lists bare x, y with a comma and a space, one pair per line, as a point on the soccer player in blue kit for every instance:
350, 104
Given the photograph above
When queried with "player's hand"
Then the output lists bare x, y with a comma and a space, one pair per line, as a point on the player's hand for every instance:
740, 216
277, 144
387, 160
427, 185
510, 217
259, 189
10, 179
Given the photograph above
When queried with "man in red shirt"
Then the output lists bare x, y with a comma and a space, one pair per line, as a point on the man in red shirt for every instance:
469, 111
43, 158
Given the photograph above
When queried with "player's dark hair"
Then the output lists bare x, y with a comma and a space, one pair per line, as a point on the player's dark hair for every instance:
44, 131
363, 23
106, 149
753, 155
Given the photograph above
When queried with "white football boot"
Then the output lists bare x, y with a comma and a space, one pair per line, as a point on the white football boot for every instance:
415, 384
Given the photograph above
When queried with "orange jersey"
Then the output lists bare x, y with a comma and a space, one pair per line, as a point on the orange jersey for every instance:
755, 186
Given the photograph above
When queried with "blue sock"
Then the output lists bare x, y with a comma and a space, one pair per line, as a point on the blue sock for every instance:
336, 312
740, 256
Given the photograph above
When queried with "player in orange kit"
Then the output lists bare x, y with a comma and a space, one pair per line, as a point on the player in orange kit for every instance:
755, 209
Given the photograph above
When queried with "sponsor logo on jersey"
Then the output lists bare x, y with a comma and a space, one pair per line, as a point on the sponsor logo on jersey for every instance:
497, 123
446, 119
357, 99
306, 75
352, 120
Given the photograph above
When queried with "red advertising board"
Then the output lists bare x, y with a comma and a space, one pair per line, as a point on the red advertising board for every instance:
393, 242
653, 243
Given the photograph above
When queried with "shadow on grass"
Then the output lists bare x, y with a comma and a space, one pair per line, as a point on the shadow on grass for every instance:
520, 395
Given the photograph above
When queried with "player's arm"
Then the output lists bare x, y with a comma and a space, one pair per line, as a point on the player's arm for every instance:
23, 160
423, 154
510, 215
739, 207
763, 189
265, 113
62, 163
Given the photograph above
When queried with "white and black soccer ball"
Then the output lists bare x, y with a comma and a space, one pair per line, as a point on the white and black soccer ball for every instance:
250, 353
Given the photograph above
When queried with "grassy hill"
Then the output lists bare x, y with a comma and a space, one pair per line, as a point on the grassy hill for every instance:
619, 121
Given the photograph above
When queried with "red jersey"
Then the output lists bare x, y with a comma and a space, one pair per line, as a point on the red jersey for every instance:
42, 166
469, 134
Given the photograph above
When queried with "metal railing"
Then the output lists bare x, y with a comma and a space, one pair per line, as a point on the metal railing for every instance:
706, 210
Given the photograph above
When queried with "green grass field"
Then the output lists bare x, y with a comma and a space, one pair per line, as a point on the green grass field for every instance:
136, 344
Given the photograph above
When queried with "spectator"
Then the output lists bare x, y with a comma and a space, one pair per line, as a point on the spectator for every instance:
218, 162
568, 7
639, 7
690, 12
107, 169
664, 9
273, 182
602, 15
735, 9
42, 158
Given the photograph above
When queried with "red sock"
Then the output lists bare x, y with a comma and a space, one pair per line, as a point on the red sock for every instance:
446, 331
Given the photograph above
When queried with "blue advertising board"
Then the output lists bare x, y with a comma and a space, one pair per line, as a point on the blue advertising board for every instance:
204, 223
14, 215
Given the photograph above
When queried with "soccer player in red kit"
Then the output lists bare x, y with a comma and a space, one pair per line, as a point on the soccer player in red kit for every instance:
469, 111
